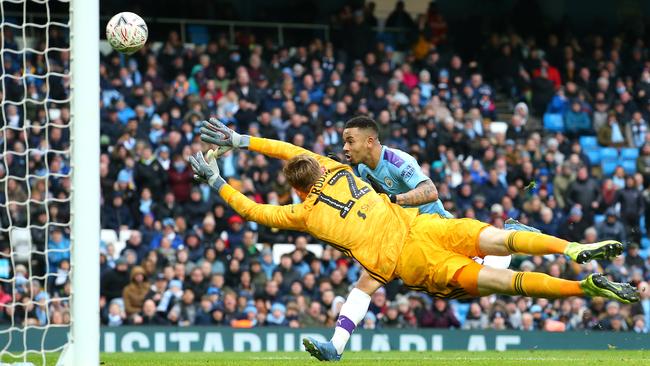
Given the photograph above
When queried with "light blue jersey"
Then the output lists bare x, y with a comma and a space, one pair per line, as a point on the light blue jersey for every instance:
398, 172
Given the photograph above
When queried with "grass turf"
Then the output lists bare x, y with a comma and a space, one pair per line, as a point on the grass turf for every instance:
452, 358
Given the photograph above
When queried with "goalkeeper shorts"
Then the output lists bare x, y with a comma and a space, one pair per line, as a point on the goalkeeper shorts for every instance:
437, 256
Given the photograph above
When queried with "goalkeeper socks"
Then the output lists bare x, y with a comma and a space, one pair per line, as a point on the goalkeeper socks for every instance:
535, 284
535, 243
352, 312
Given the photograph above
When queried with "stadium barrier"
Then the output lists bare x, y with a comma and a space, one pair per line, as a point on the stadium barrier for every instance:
218, 339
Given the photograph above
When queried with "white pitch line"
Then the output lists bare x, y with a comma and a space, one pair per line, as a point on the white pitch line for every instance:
439, 359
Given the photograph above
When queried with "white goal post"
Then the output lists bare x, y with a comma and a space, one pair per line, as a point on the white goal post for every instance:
49, 88
84, 42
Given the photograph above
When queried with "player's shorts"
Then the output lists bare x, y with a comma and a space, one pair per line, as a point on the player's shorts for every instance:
437, 256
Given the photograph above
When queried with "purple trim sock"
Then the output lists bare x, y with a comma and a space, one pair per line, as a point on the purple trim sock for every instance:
345, 323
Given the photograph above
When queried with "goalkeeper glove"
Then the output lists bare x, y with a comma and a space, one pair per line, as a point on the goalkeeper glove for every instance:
207, 171
215, 132
379, 189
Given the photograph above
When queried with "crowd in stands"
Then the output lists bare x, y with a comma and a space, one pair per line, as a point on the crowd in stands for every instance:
190, 260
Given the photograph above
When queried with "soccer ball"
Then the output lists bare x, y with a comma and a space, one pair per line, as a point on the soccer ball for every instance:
126, 32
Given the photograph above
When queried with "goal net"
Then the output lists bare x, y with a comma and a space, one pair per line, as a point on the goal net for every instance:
46, 293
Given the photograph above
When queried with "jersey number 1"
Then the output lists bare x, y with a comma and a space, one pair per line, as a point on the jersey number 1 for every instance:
356, 192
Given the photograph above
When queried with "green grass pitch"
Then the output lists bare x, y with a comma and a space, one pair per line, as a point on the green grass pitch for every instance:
452, 358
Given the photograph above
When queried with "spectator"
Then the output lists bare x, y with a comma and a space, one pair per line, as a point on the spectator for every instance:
148, 173
611, 133
277, 316
150, 316
633, 258
584, 191
134, 293
135, 243
399, 18
632, 207
611, 228
635, 130
114, 281
184, 311
441, 316
180, 179
476, 318
116, 315
58, 248
117, 216
577, 121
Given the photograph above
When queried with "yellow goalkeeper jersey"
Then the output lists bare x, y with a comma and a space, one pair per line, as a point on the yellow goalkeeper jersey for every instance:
341, 209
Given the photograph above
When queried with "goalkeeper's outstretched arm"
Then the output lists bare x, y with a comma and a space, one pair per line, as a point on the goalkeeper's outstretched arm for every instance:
215, 132
289, 217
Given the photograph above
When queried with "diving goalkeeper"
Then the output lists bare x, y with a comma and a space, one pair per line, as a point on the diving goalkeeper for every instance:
428, 253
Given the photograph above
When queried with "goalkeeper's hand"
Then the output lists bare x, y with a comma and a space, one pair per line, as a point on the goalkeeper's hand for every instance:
379, 189
207, 171
215, 132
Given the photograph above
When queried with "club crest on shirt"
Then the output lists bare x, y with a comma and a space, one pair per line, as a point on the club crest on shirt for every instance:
389, 182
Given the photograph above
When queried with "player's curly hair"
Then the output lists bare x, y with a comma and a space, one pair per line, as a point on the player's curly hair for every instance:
302, 171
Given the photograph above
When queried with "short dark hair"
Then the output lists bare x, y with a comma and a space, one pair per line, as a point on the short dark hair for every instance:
363, 122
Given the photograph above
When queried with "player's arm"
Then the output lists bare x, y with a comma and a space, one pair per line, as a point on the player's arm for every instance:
423, 193
285, 151
215, 132
289, 217
422, 188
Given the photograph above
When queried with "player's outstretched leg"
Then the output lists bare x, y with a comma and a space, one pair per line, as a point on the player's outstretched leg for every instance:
535, 284
597, 284
494, 241
322, 351
512, 224
582, 253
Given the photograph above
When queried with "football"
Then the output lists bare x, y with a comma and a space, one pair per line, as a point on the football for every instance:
126, 32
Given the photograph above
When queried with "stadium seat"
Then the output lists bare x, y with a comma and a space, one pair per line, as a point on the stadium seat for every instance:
588, 141
645, 243
608, 153
644, 231
21, 244
462, 309
498, 127
198, 34
629, 166
108, 236
598, 219
608, 166
553, 122
125, 235
280, 249
629, 153
593, 153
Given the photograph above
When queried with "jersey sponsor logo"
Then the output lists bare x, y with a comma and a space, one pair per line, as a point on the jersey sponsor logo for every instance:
392, 158
389, 182
408, 172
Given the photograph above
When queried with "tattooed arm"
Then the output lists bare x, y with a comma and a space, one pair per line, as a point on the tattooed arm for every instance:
425, 192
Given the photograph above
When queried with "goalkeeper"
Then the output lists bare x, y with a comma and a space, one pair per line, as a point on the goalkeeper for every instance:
426, 252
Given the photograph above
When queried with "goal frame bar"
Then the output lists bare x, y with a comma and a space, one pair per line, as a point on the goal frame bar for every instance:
83, 348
